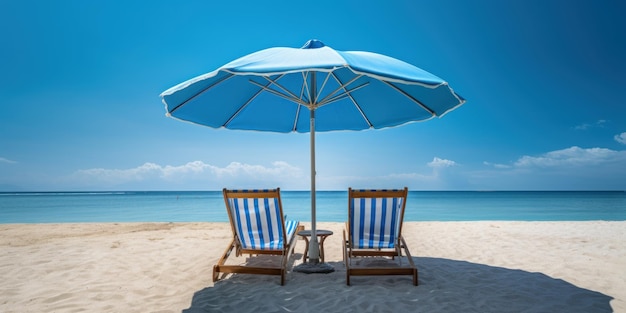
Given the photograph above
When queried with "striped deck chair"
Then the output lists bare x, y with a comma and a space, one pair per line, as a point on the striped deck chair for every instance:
374, 229
259, 227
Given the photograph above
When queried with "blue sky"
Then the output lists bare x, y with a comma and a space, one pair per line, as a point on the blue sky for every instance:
543, 80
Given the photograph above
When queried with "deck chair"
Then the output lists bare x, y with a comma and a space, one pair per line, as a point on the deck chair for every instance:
259, 228
374, 230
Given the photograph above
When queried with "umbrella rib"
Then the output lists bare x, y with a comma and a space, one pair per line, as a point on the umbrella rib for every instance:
242, 107
295, 121
305, 86
341, 86
200, 92
319, 92
349, 95
358, 107
275, 82
302, 93
423, 106
305, 91
293, 98
289, 97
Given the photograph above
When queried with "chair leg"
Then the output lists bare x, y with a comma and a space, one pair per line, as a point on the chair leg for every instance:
222, 261
411, 263
215, 273
346, 258
283, 266
282, 277
347, 272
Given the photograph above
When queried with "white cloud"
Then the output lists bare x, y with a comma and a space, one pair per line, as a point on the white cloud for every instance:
5, 160
120, 176
440, 177
585, 126
394, 180
496, 165
621, 138
279, 169
573, 168
439, 163
573, 156
198, 173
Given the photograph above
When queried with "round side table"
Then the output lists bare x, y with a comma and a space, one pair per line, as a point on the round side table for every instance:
321, 234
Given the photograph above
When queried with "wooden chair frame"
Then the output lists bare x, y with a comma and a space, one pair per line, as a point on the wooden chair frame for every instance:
236, 244
351, 251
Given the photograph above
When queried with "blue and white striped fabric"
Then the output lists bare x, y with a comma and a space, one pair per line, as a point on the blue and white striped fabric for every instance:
258, 223
375, 222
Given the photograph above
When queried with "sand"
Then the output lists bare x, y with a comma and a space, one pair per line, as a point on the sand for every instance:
166, 267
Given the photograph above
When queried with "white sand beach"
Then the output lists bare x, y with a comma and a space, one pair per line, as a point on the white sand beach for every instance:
166, 267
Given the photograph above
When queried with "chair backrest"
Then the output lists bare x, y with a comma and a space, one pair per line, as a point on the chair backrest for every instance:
256, 217
375, 217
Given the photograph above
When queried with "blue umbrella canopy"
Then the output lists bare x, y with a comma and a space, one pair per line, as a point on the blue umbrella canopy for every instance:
313, 88
276, 88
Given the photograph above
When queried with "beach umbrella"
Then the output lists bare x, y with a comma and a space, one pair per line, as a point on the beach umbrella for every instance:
309, 89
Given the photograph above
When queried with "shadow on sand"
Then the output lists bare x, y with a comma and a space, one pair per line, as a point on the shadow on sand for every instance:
444, 286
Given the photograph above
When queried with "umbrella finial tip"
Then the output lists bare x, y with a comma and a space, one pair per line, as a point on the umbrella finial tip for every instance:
313, 44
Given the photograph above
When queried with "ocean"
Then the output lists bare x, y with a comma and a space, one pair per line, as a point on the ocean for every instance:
208, 206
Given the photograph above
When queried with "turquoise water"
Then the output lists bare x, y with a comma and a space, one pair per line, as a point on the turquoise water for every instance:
190, 206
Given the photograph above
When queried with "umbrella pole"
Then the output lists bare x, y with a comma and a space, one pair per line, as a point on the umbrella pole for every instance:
314, 252
314, 265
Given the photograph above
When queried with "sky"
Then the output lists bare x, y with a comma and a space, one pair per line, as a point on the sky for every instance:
544, 80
